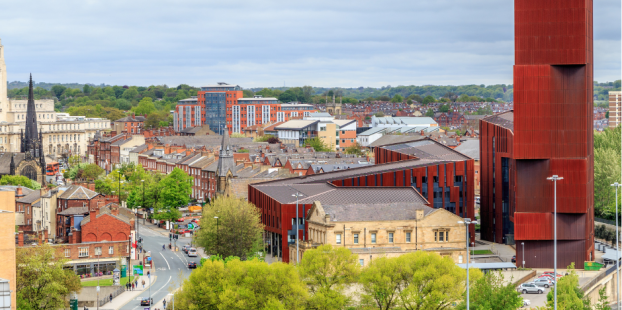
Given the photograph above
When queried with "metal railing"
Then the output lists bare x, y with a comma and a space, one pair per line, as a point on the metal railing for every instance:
106, 299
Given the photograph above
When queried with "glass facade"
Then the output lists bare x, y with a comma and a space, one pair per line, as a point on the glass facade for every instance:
216, 110
508, 226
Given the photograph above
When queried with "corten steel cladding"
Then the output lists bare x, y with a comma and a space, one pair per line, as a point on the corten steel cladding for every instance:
553, 112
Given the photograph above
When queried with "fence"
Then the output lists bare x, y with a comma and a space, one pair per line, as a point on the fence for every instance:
116, 293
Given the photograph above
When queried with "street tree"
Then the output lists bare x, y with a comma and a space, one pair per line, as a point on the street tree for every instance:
242, 285
175, 189
237, 231
419, 280
327, 271
569, 295
42, 282
490, 293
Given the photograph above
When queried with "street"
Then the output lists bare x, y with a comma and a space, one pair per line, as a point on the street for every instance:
167, 264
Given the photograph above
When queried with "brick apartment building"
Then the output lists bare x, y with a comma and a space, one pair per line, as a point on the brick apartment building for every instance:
450, 119
132, 124
615, 109
224, 106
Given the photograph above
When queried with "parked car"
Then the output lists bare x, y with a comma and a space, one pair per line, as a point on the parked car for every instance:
543, 282
195, 220
183, 231
551, 273
548, 277
146, 301
181, 219
192, 252
514, 259
530, 288
192, 265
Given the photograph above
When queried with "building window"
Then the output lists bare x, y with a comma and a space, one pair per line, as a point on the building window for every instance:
460, 259
338, 238
458, 178
373, 238
390, 237
356, 238
110, 250
83, 252
67, 252
407, 237
362, 262
441, 235
98, 251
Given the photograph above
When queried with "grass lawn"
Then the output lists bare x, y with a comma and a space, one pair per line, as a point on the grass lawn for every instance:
481, 252
105, 282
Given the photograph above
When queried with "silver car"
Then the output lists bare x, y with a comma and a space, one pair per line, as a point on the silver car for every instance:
543, 282
530, 288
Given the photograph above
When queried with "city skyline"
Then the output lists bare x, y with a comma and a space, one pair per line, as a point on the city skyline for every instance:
272, 44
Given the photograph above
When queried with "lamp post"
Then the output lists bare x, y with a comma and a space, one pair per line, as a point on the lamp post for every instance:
297, 194
467, 221
137, 232
555, 178
523, 244
217, 237
617, 249
173, 299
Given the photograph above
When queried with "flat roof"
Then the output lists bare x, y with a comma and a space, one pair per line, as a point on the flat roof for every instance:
295, 124
257, 99
489, 266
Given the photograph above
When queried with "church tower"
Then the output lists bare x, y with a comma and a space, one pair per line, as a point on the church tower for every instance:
226, 167
334, 108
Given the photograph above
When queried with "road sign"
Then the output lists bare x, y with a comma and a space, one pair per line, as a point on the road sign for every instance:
73, 304
97, 288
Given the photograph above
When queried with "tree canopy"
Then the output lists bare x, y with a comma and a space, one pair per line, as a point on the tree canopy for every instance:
19, 180
42, 282
236, 232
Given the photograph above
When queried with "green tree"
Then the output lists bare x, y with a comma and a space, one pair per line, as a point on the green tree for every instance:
131, 94
175, 189
242, 285
145, 107
490, 293
569, 295
355, 149
307, 93
397, 98
318, 145
444, 108
429, 113
427, 100
42, 282
58, 90
419, 280
327, 271
92, 172
237, 232
18, 180
603, 302
86, 89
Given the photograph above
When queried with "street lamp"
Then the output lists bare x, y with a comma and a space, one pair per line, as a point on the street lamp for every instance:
137, 220
523, 244
173, 298
217, 237
617, 248
555, 178
467, 221
297, 194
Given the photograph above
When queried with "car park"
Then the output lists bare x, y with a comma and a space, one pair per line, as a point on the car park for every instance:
192, 252
526, 288
192, 265
543, 282
145, 301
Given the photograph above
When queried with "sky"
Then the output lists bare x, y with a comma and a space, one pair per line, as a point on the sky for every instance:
267, 43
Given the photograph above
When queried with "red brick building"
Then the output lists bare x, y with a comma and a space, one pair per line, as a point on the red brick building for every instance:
450, 119
133, 125
72, 206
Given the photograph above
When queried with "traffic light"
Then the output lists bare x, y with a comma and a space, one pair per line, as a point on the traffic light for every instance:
170, 236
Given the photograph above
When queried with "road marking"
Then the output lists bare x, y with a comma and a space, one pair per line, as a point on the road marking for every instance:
169, 266
169, 280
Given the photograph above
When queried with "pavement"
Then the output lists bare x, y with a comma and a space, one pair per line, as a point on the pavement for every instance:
169, 270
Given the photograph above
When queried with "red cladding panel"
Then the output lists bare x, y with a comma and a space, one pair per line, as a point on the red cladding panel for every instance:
533, 226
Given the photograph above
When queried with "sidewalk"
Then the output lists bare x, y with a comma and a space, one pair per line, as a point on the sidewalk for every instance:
129, 296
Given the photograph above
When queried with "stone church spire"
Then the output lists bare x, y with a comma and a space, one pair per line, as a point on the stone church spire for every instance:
31, 131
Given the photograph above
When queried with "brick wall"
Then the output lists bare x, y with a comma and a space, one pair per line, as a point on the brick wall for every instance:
119, 249
105, 227
239, 187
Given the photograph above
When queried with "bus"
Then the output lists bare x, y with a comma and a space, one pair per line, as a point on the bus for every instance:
52, 168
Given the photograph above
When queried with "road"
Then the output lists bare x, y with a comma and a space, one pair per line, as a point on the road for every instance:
169, 266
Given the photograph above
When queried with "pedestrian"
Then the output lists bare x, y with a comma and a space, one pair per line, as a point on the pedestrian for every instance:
132, 286
164, 303
143, 284
110, 297
136, 282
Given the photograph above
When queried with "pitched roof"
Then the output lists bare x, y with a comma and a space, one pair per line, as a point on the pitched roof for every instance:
469, 148
375, 211
5, 161
427, 149
30, 197
78, 192
74, 211
125, 214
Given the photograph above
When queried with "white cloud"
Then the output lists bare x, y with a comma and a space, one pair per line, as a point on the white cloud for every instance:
266, 43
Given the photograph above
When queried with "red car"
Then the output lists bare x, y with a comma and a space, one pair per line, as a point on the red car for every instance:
181, 219
183, 231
